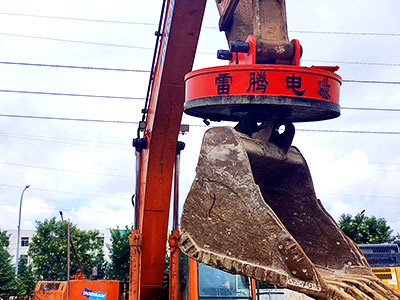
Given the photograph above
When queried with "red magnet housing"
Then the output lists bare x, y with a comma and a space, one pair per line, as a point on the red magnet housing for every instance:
298, 94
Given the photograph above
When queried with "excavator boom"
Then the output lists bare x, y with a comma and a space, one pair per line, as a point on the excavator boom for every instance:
156, 148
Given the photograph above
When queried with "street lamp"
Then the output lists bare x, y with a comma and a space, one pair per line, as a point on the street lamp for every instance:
19, 228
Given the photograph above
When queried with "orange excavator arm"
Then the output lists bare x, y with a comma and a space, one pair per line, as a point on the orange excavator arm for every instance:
157, 146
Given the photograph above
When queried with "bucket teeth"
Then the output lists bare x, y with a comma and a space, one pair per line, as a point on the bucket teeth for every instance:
252, 210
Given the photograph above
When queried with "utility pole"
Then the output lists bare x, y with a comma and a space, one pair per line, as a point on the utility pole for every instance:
68, 251
19, 229
68, 256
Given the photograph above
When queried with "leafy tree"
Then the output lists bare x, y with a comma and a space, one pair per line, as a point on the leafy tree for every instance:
119, 249
366, 230
8, 282
25, 276
48, 250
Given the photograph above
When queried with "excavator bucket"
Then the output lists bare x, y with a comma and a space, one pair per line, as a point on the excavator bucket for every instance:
252, 210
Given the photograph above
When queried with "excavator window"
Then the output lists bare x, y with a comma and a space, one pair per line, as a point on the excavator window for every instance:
183, 275
217, 284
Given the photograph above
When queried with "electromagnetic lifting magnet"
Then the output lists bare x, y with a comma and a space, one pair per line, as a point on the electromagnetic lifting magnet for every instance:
283, 91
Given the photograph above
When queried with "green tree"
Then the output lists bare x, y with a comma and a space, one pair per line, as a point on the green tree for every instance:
8, 281
118, 268
25, 276
48, 250
366, 230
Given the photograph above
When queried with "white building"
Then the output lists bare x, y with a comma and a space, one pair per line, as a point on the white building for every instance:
26, 238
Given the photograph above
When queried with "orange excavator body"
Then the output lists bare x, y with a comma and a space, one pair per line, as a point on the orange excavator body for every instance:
79, 290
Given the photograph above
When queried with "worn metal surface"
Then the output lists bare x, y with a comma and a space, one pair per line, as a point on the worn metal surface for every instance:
265, 19
235, 107
252, 210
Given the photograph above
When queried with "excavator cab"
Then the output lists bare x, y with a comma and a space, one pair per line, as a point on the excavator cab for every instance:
202, 282
214, 283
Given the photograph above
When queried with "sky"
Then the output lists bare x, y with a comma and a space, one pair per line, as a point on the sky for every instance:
87, 168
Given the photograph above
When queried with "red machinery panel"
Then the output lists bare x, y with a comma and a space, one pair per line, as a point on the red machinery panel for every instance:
285, 91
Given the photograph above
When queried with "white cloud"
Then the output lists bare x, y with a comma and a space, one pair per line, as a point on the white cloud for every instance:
338, 208
334, 174
33, 209
99, 215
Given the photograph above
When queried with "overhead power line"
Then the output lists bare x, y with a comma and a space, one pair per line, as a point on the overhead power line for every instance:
64, 192
62, 170
370, 81
74, 41
74, 19
381, 170
51, 138
127, 122
70, 209
58, 138
141, 98
209, 27
116, 175
346, 33
68, 119
149, 48
147, 71
361, 195
384, 163
73, 67
371, 109
353, 62
101, 196
198, 52
59, 141
349, 131
71, 94
24, 135
393, 34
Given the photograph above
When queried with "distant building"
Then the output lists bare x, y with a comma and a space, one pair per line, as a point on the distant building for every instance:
26, 238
